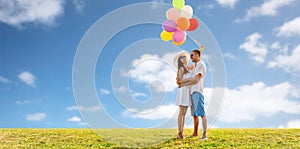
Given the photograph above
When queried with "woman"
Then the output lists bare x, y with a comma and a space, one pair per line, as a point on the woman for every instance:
183, 93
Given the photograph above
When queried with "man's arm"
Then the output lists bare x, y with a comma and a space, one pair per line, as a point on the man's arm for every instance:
200, 70
190, 81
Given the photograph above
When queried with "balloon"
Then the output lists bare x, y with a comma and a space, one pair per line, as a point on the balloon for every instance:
173, 14
178, 4
183, 23
179, 43
186, 11
178, 36
193, 24
169, 26
166, 36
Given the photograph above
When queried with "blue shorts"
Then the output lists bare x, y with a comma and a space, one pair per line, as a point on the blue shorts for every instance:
197, 108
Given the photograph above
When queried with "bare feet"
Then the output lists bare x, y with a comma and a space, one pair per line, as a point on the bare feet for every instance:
195, 134
204, 136
180, 135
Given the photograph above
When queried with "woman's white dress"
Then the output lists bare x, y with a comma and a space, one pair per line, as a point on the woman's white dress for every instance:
183, 97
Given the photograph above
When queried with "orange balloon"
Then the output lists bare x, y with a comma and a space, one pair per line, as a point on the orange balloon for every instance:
183, 23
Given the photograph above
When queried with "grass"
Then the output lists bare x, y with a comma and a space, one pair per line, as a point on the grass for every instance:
87, 138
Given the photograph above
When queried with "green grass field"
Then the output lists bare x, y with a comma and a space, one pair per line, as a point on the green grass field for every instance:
86, 138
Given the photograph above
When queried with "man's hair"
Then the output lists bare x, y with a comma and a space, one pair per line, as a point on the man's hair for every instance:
197, 51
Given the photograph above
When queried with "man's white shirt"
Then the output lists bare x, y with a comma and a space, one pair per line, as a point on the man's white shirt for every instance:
199, 69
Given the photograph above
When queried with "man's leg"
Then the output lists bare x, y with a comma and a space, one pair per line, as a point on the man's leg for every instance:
204, 126
196, 123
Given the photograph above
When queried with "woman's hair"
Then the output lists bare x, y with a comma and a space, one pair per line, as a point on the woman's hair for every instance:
180, 64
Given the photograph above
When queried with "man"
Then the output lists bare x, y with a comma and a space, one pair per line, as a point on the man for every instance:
196, 83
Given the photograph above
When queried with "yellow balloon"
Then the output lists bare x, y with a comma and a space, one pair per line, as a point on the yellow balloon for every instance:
166, 36
179, 43
178, 4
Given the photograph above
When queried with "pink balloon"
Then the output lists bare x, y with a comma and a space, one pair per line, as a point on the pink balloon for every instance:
169, 26
178, 36
173, 14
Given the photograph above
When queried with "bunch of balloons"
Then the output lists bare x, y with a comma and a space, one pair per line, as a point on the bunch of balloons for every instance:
179, 20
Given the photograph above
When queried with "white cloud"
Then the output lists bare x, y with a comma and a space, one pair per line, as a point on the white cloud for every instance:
242, 104
81, 108
151, 68
73, 108
163, 112
155, 3
78, 4
227, 3
276, 49
210, 6
104, 91
293, 124
4, 80
27, 78
255, 48
288, 62
169, 58
76, 119
207, 6
36, 117
121, 89
138, 94
248, 102
276, 45
19, 12
289, 28
229, 55
268, 8
22, 102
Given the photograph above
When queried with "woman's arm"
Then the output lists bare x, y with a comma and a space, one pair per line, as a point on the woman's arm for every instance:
180, 73
179, 76
190, 81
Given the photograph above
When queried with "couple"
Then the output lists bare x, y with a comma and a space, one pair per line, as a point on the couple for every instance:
190, 80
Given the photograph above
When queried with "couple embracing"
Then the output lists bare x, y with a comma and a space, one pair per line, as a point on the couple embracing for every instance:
190, 81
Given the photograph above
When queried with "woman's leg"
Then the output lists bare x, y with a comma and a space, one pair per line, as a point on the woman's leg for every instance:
184, 109
181, 118
180, 121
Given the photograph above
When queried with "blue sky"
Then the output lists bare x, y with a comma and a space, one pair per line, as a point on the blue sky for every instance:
259, 41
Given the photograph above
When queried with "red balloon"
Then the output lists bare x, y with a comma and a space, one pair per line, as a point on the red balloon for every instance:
193, 24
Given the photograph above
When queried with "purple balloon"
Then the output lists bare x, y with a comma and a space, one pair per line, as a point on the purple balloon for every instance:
179, 36
169, 26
